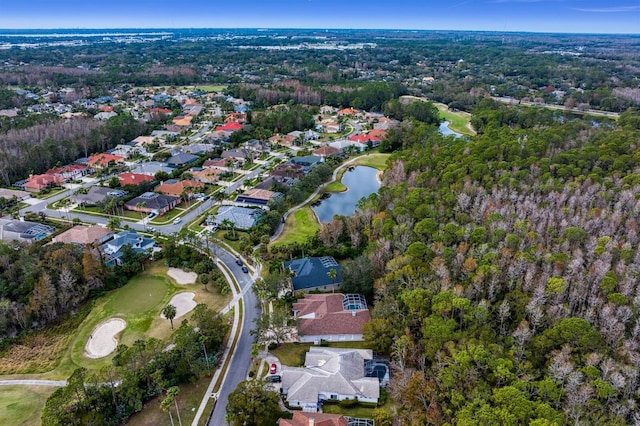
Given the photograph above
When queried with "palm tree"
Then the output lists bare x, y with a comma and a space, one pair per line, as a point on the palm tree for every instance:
169, 313
172, 392
113, 223
139, 207
332, 274
228, 224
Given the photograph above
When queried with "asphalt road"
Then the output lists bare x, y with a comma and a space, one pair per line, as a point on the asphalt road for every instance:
241, 358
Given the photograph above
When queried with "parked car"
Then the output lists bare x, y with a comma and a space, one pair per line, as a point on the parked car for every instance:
177, 221
273, 379
238, 262
245, 270
273, 369
152, 229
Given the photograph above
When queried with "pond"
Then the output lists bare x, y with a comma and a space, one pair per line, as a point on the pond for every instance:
361, 181
446, 131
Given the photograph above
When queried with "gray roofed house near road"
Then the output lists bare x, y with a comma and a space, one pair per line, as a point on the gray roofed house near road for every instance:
242, 218
330, 374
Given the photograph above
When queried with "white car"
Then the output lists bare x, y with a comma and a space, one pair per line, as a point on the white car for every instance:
177, 221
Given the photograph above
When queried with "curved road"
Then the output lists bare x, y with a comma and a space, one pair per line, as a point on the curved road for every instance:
241, 358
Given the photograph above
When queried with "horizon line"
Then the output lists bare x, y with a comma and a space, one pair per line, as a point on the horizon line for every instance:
322, 29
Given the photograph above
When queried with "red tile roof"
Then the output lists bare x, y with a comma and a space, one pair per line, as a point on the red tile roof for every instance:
66, 169
229, 127
103, 159
326, 151
330, 316
348, 111
176, 189
133, 178
38, 182
160, 111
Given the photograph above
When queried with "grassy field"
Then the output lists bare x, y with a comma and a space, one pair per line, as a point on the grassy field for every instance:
300, 225
335, 187
57, 355
375, 160
22, 405
458, 120
205, 88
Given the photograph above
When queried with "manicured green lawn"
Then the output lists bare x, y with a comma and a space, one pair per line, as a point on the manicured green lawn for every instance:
458, 120
300, 225
375, 160
139, 303
335, 187
22, 405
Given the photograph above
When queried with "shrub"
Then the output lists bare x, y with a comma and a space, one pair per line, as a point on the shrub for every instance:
348, 403
231, 237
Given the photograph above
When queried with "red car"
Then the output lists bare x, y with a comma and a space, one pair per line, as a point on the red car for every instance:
273, 369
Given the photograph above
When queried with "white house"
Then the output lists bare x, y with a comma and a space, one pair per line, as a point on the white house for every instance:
330, 374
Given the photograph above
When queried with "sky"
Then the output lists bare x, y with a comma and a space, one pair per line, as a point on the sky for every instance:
566, 16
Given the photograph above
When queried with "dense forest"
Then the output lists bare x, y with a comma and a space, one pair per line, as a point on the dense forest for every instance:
505, 271
48, 141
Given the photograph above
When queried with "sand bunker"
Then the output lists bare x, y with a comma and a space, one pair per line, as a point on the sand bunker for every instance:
183, 302
102, 340
182, 277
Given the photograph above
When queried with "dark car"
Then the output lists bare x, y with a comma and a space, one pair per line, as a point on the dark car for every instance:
273, 379
245, 270
238, 262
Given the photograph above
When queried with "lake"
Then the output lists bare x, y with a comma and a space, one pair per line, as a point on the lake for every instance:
446, 131
361, 182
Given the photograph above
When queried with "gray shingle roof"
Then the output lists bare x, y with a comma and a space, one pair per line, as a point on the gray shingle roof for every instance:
243, 218
330, 371
312, 272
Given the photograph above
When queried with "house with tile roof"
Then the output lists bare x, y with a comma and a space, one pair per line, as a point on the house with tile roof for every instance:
314, 419
82, 235
348, 111
103, 160
327, 151
69, 172
208, 175
133, 178
312, 273
37, 183
178, 188
229, 127
333, 317
329, 374
224, 164
288, 170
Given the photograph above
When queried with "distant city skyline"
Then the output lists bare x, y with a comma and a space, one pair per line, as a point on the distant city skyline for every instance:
564, 16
